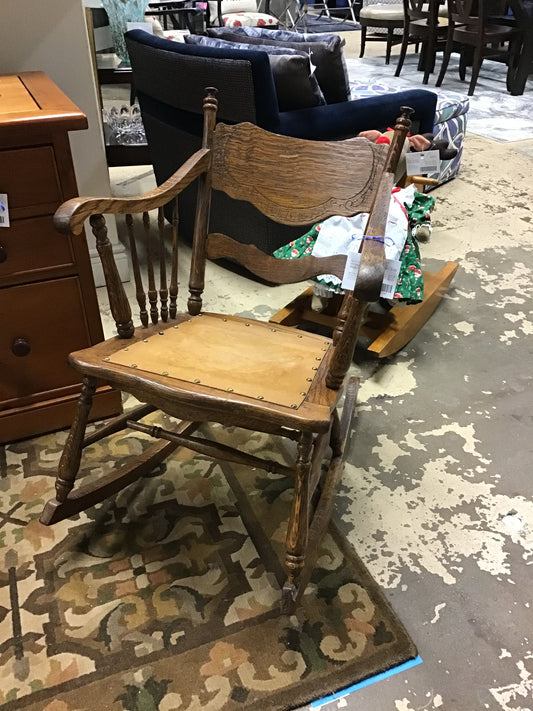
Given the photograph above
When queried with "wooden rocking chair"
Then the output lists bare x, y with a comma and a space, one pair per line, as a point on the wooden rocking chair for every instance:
209, 367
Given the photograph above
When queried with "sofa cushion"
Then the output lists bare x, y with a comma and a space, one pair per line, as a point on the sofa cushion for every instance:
296, 85
326, 54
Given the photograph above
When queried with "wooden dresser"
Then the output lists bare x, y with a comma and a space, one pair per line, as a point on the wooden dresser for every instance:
48, 304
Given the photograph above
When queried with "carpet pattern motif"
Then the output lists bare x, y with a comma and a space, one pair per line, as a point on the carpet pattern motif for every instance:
167, 596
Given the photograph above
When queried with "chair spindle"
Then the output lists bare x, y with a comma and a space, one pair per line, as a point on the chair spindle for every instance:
174, 270
152, 291
120, 307
163, 288
139, 289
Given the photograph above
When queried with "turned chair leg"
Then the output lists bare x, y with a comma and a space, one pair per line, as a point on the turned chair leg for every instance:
363, 41
476, 66
298, 527
69, 463
390, 33
403, 52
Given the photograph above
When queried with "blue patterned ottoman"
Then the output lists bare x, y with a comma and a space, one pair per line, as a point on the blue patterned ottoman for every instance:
450, 122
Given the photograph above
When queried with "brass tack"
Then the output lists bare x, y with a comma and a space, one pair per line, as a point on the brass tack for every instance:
174, 326
165, 372
133, 365
230, 390
294, 407
246, 324
161, 333
309, 380
197, 380
318, 358
124, 349
324, 349
300, 336
145, 340
260, 397
304, 394
315, 367
224, 319
274, 330
107, 359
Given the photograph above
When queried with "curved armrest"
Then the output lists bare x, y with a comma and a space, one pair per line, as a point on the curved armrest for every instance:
347, 119
71, 215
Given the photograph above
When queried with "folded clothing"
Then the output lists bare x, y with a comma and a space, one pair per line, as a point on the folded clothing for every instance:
325, 50
296, 85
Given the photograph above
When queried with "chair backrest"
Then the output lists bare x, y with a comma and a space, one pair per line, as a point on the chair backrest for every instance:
422, 10
467, 12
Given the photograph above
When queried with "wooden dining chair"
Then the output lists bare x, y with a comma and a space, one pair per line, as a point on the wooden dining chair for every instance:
422, 24
385, 19
199, 366
469, 26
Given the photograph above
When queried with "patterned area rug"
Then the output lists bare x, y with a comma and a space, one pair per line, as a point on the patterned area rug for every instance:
167, 596
493, 114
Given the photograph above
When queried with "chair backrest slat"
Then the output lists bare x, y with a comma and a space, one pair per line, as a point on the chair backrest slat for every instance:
294, 181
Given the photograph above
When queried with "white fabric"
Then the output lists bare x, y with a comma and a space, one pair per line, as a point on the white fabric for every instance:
337, 234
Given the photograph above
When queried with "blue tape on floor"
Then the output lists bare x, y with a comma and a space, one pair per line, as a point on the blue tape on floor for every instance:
366, 682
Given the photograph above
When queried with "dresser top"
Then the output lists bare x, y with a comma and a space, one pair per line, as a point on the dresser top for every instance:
31, 97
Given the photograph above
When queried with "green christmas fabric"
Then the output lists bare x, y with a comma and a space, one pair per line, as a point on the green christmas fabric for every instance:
410, 284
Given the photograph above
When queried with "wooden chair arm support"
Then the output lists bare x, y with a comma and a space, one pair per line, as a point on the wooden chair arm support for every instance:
71, 215
276, 271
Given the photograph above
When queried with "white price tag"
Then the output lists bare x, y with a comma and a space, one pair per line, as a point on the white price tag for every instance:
351, 269
390, 278
422, 162
4, 211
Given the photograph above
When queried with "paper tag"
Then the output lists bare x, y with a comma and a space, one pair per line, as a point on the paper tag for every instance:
146, 26
4, 211
390, 278
422, 162
350, 270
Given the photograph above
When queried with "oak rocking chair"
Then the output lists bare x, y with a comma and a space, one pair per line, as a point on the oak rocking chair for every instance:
208, 367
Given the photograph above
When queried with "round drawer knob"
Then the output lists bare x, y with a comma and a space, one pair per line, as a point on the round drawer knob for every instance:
3, 253
20, 347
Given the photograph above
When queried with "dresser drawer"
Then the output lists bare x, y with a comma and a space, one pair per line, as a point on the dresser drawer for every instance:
43, 323
29, 177
30, 246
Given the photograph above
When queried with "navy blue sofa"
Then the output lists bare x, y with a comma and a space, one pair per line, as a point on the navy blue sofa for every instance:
170, 79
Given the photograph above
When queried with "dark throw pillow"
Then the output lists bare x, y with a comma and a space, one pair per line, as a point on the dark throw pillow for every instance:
296, 85
325, 50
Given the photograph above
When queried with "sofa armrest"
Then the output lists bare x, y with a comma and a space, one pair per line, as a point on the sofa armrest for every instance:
347, 119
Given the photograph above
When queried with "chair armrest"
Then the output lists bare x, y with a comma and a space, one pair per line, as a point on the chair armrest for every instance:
347, 119
71, 215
